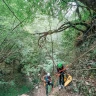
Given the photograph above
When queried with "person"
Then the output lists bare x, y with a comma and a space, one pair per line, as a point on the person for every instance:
61, 70
48, 80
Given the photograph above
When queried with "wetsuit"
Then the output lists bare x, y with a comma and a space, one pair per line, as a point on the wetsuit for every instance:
61, 71
48, 80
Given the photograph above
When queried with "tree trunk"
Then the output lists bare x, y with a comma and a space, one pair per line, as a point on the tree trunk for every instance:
89, 3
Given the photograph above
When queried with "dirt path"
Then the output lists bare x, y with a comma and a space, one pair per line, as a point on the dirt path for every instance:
62, 92
56, 92
41, 92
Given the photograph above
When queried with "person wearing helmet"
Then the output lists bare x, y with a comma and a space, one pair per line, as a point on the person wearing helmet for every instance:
61, 71
47, 79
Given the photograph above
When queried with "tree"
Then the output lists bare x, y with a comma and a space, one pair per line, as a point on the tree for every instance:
90, 3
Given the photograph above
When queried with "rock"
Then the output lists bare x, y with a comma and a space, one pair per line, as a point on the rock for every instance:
87, 83
23, 95
36, 87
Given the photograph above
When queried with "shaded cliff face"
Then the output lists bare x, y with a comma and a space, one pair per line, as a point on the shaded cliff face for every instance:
12, 82
8, 69
84, 69
12, 73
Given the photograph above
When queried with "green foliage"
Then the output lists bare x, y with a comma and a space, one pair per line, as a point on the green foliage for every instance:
8, 90
86, 90
93, 54
19, 48
15, 87
68, 39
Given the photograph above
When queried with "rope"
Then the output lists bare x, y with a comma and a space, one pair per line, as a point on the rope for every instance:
81, 56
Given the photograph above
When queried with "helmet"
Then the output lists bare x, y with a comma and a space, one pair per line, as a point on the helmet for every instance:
59, 65
48, 74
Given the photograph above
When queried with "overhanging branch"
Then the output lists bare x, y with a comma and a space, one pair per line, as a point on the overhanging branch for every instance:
63, 27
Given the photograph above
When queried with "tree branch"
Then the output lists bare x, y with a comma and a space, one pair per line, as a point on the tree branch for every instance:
89, 3
10, 9
63, 27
